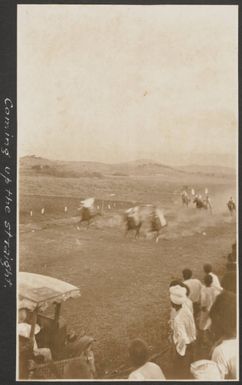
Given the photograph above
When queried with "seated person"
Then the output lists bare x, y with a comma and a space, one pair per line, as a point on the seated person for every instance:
24, 330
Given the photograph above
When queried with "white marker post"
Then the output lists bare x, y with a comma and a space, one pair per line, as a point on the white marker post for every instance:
65, 209
42, 211
31, 213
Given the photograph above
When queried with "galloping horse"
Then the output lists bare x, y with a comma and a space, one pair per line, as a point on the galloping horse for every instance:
136, 216
202, 203
87, 211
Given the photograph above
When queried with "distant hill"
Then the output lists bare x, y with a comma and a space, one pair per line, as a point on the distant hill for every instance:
33, 165
209, 170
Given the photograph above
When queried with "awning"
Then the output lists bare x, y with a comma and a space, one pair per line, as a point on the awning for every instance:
35, 290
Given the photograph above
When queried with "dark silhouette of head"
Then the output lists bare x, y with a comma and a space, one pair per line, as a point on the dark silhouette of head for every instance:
207, 268
138, 352
187, 274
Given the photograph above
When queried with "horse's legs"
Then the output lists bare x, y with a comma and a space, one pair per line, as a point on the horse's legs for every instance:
157, 237
137, 231
126, 232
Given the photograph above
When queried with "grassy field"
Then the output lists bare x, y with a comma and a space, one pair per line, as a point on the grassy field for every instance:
124, 283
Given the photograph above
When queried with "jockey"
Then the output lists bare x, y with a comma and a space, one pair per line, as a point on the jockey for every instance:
231, 202
207, 201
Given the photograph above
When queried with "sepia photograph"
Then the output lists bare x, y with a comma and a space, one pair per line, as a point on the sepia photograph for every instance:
127, 262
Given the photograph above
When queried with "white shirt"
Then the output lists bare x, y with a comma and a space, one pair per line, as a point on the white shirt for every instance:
195, 289
148, 371
225, 355
187, 304
184, 329
208, 296
216, 283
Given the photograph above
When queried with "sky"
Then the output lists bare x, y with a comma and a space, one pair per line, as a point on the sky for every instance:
114, 83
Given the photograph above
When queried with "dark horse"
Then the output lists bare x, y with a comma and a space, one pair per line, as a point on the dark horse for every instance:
202, 203
137, 216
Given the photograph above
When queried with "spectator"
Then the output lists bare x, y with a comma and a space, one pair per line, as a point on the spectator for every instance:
187, 302
77, 369
24, 330
232, 255
208, 296
215, 283
145, 370
82, 347
229, 280
224, 325
195, 289
183, 332
234, 252
22, 315
225, 355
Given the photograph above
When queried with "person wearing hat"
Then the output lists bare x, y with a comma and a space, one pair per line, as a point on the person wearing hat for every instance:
24, 330
187, 302
183, 332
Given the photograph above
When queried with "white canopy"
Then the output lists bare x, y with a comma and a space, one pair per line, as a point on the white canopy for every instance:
35, 290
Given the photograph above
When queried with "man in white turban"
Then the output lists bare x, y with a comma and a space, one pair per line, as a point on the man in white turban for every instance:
183, 332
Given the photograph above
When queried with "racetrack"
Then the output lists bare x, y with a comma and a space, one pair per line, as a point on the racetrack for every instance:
123, 281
